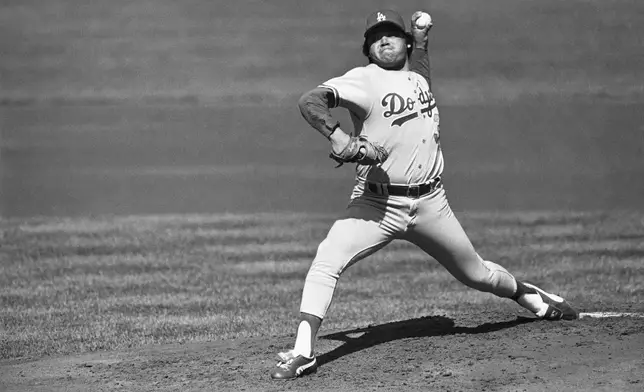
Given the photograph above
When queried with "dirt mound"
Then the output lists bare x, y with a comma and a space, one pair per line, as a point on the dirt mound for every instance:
438, 353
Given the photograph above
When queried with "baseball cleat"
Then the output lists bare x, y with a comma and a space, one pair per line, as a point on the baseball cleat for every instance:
291, 366
558, 308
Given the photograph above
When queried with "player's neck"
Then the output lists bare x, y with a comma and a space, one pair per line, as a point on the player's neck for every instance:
396, 67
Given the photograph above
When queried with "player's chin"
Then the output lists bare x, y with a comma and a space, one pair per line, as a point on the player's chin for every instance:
390, 61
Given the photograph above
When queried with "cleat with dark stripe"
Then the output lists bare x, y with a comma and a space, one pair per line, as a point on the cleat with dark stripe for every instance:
558, 308
553, 314
292, 366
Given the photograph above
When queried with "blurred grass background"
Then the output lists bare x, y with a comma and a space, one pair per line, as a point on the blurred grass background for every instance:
157, 106
251, 51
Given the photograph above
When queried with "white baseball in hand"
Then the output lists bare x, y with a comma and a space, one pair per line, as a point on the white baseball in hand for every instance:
424, 20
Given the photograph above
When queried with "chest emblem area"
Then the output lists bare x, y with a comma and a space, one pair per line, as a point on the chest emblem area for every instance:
403, 109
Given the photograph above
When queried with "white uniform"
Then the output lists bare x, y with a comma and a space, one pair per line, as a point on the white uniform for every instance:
400, 198
397, 110
403, 119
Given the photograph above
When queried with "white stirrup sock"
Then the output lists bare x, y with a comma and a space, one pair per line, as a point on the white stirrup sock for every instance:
303, 340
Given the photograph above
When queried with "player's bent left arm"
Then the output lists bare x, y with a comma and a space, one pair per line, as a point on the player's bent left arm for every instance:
315, 108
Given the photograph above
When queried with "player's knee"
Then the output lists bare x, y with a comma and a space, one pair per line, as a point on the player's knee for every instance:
324, 268
327, 263
322, 274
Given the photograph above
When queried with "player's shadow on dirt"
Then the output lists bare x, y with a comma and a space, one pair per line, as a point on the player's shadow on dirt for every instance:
421, 327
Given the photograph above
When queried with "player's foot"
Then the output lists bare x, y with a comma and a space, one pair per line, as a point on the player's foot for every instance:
292, 366
558, 308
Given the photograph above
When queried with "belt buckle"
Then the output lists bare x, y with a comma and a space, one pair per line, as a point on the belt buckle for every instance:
413, 191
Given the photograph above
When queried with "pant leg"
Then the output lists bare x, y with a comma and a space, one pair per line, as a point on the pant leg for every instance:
366, 228
437, 231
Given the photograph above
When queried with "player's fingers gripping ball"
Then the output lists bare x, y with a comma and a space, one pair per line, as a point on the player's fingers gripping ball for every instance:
362, 151
422, 20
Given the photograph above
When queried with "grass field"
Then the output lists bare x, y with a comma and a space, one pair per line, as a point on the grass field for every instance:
78, 285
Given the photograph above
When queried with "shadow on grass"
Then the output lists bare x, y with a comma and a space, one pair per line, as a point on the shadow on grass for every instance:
420, 327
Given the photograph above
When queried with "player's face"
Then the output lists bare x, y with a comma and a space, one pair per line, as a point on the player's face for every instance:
387, 47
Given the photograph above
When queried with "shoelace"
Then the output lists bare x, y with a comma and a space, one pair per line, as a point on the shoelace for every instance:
285, 365
287, 359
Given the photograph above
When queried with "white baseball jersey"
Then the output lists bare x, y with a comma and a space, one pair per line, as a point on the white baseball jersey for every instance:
397, 110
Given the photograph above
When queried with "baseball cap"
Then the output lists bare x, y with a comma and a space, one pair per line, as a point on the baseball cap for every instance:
384, 16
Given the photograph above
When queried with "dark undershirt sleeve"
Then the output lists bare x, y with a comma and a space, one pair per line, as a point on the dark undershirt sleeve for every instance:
315, 108
419, 63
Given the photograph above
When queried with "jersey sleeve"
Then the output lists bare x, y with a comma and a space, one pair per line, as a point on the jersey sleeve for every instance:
352, 91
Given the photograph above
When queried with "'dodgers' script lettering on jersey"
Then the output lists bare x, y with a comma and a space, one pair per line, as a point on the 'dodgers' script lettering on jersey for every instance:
395, 105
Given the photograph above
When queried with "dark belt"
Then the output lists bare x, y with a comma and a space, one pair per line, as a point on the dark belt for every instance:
414, 191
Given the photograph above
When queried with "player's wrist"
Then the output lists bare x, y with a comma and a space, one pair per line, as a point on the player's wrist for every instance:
332, 129
339, 140
422, 45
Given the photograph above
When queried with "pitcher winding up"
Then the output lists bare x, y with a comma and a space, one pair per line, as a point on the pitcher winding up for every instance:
398, 193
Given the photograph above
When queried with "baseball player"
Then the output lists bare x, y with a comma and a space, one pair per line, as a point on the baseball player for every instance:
398, 192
